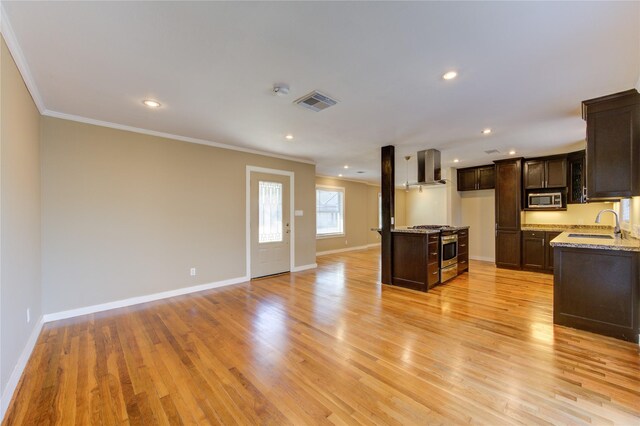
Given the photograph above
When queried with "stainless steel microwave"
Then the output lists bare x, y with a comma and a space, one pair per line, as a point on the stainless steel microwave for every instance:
550, 200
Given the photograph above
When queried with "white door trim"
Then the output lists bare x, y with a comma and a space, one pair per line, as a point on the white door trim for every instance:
292, 244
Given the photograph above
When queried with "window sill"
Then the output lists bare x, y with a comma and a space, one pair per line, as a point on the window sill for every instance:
325, 236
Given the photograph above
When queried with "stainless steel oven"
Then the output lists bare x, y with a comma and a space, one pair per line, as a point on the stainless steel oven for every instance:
448, 256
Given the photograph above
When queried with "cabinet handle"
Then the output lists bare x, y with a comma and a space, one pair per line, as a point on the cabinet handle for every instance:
433, 273
463, 245
464, 261
435, 253
543, 242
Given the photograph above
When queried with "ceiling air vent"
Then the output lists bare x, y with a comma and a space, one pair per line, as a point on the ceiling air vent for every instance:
492, 151
316, 101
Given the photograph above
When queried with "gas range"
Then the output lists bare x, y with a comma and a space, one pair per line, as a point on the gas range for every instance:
434, 227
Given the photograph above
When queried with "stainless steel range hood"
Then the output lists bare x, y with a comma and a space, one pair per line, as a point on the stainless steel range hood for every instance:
429, 171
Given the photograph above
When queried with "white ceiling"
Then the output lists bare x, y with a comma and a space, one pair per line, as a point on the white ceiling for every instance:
523, 70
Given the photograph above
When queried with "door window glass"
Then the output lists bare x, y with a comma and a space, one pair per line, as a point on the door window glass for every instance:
269, 212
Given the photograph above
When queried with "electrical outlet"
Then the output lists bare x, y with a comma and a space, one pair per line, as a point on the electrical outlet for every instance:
28, 315
193, 272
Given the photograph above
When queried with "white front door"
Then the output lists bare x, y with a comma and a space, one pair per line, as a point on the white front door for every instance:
270, 226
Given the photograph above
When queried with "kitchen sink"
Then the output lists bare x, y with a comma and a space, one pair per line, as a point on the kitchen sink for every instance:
600, 236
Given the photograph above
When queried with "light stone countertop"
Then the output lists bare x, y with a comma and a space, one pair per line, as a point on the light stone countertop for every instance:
624, 244
562, 228
416, 231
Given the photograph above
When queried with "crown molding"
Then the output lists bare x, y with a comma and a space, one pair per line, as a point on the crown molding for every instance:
18, 57
86, 120
16, 52
348, 180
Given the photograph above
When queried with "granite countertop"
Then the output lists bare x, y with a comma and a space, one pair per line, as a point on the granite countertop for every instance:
622, 244
562, 228
416, 231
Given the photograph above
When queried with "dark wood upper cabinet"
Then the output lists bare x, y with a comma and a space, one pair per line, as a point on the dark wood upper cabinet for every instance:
613, 145
467, 179
534, 174
486, 177
550, 172
576, 182
472, 178
508, 178
556, 172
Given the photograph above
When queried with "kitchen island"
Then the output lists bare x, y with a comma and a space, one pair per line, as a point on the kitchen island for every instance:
597, 283
428, 255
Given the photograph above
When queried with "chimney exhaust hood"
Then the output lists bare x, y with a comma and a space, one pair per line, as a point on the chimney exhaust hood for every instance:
429, 171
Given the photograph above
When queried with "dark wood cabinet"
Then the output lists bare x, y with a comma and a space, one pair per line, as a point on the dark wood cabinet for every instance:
463, 250
597, 291
508, 177
508, 249
433, 260
415, 260
549, 172
467, 179
486, 177
534, 174
537, 253
613, 145
533, 250
549, 249
576, 182
473, 178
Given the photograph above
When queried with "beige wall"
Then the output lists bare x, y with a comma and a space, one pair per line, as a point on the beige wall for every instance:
126, 214
361, 214
373, 237
361, 202
477, 209
401, 207
576, 214
427, 207
20, 283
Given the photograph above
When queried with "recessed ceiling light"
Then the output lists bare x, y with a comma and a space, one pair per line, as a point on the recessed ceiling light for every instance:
450, 75
151, 103
288, 137
346, 166
340, 175
486, 131
512, 152
455, 160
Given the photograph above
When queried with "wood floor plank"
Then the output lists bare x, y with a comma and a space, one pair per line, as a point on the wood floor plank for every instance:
333, 346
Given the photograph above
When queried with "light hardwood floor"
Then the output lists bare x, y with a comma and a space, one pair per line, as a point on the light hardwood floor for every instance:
333, 346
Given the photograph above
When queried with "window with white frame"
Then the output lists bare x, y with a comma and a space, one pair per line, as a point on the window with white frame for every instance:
625, 209
329, 211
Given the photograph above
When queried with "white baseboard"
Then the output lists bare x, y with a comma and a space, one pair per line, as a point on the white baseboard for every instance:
484, 259
304, 267
10, 388
323, 253
140, 299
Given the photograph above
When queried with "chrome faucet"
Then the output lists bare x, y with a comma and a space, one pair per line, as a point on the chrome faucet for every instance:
616, 231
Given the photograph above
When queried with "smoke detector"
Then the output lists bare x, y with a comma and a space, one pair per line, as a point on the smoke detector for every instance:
280, 89
315, 101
